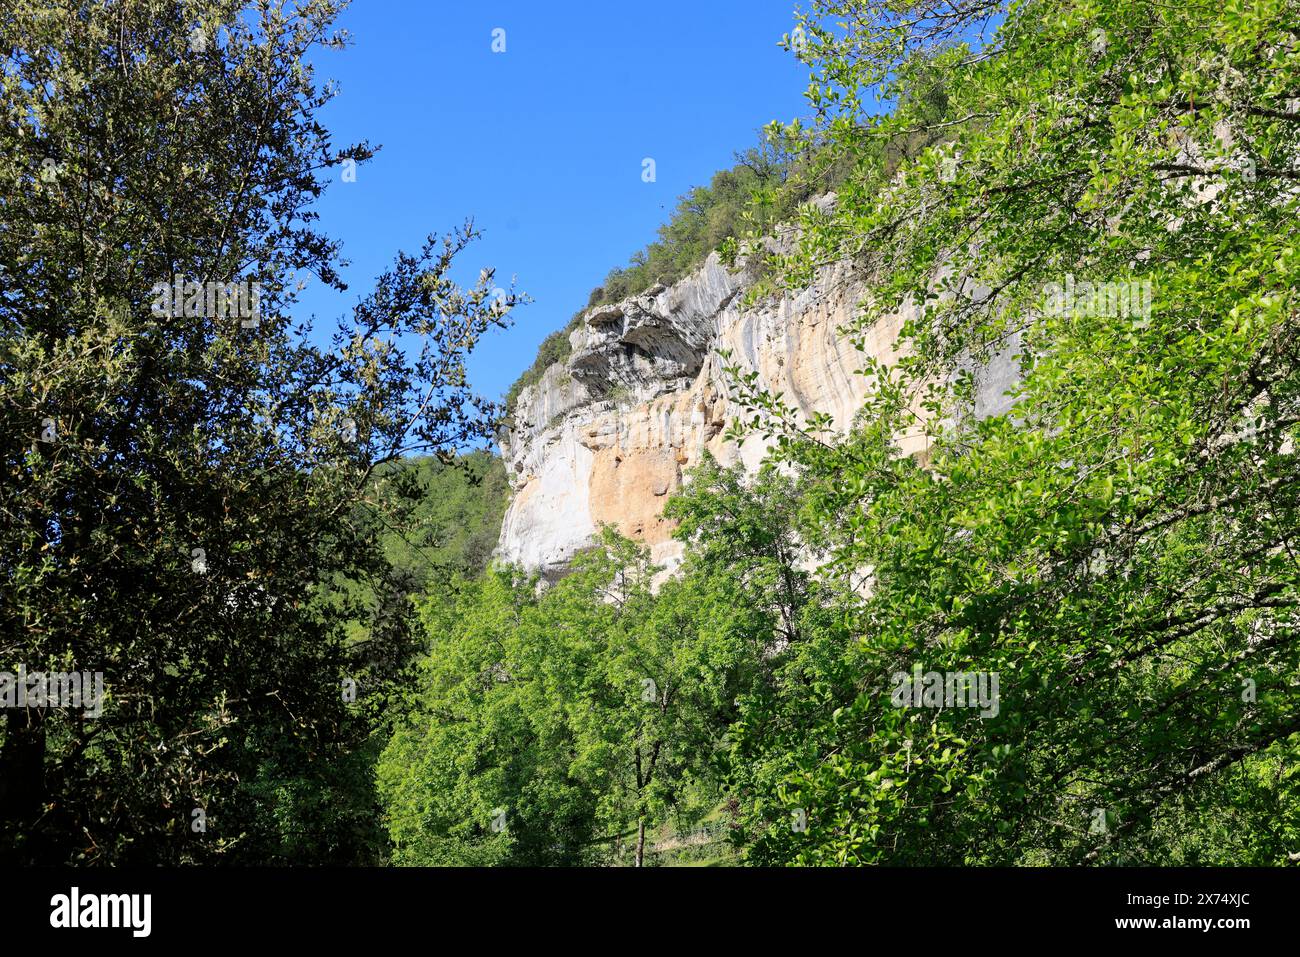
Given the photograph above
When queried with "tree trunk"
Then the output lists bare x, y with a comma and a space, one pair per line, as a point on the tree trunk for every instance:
640, 842
22, 780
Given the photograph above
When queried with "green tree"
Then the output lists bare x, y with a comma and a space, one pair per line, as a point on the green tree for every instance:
182, 487
488, 766
1119, 546
563, 728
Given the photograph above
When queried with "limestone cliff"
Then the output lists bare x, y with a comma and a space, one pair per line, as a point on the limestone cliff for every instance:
607, 435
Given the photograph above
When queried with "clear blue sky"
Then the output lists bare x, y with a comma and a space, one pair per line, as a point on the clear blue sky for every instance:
542, 144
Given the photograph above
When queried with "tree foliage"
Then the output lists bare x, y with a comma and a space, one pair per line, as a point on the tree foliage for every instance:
1118, 546
577, 720
183, 488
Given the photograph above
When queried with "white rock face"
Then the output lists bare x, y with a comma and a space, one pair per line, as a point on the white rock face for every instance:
606, 436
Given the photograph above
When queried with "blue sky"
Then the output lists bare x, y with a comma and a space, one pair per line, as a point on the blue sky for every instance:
542, 144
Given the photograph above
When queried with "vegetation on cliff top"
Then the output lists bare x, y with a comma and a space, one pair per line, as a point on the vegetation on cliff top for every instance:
764, 188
